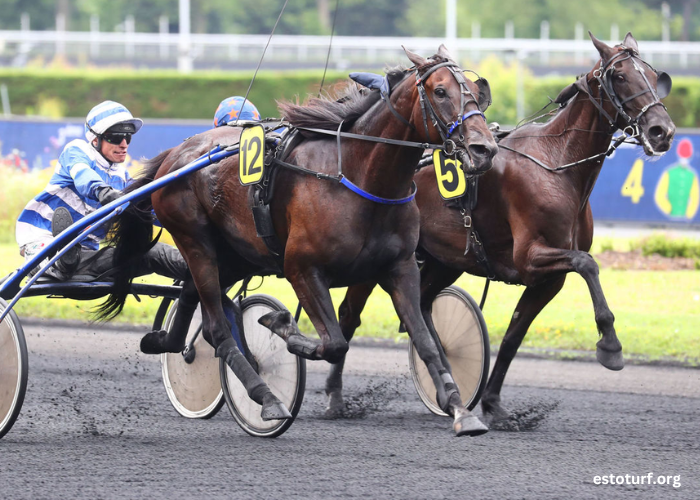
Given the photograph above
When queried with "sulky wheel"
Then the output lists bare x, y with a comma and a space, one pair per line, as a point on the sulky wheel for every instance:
191, 377
13, 369
462, 331
283, 372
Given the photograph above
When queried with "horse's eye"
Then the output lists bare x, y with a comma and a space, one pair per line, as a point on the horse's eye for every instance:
440, 92
620, 77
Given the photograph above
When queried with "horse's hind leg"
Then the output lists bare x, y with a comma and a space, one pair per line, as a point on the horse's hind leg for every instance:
532, 301
349, 319
402, 284
160, 341
202, 259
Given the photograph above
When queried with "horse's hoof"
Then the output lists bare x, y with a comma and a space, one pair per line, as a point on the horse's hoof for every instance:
273, 409
612, 360
493, 414
336, 405
155, 342
469, 425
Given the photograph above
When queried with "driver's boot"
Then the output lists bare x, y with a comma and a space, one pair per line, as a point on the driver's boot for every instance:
66, 266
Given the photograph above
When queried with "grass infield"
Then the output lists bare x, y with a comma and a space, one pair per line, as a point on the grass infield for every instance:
657, 313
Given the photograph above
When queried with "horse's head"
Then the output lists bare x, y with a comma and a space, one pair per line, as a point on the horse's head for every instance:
635, 90
450, 110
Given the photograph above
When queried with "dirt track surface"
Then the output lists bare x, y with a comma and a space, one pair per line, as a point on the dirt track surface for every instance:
96, 423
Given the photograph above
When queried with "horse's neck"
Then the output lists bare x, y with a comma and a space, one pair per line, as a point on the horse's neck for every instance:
583, 135
384, 170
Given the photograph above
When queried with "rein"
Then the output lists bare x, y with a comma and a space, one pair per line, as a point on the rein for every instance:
632, 130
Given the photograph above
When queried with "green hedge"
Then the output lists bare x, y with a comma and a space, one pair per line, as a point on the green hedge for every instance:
151, 94
167, 94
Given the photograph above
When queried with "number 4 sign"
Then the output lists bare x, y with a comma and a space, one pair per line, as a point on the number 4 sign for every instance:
633, 187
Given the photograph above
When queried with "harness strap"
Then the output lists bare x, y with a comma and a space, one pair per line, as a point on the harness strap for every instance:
345, 182
396, 142
618, 141
386, 201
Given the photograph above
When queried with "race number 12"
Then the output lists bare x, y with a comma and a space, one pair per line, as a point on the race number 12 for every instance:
250, 162
450, 176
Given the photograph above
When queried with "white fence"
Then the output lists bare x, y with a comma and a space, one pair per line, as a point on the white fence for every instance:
18, 48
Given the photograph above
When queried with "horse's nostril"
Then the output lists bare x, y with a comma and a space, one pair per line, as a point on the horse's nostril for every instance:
657, 132
478, 150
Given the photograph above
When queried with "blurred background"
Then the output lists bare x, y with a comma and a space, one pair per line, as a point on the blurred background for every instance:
172, 61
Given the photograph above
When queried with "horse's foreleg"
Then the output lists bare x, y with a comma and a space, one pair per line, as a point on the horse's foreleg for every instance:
349, 319
544, 262
532, 301
608, 348
403, 285
315, 298
434, 277
160, 341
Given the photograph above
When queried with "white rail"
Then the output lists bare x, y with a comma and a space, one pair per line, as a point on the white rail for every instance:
21, 45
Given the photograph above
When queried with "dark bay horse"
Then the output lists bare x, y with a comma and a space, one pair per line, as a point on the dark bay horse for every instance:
533, 218
330, 235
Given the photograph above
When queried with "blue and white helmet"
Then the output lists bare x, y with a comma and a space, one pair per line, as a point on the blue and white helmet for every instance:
106, 115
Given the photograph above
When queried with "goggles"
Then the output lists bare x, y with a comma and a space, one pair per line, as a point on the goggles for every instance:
117, 137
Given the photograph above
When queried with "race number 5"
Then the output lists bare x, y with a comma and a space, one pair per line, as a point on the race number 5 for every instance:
450, 176
633, 183
250, 162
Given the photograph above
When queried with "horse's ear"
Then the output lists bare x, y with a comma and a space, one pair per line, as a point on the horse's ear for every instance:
604, 49
663, 84
630, 42
567, 93
443, 52
417, 60
484, 93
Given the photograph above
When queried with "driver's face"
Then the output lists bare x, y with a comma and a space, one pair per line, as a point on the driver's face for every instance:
116, 153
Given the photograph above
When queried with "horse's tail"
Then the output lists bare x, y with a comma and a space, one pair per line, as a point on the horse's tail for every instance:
131, 237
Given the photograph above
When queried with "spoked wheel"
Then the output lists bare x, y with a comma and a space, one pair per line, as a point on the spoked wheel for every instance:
462, 331
191, 377
283, 372
14, 367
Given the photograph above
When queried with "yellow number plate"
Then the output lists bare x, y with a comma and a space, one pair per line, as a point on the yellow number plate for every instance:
252, 151
450, 176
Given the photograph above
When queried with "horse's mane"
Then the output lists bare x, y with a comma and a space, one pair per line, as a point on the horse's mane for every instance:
345, 105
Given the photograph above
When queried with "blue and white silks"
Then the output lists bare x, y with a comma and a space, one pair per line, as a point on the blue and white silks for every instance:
80, 174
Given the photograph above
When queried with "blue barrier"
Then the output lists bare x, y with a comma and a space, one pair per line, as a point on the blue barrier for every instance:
660, 191
631, 188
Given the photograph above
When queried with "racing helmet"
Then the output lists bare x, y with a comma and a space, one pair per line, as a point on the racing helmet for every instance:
232, 109
105, 116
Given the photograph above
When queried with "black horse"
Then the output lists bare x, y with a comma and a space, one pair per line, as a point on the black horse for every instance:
329, 235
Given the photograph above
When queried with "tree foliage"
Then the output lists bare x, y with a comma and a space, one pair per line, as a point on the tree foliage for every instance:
369, 17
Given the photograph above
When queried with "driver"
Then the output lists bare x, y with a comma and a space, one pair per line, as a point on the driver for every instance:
89, 174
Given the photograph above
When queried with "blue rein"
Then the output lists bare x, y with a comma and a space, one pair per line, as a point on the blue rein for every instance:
377, 199
466, 115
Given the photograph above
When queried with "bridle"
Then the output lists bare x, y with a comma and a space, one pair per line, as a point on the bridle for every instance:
604, 76
445, 129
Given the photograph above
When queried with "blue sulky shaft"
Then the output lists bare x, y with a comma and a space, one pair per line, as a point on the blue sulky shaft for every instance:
80, 229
